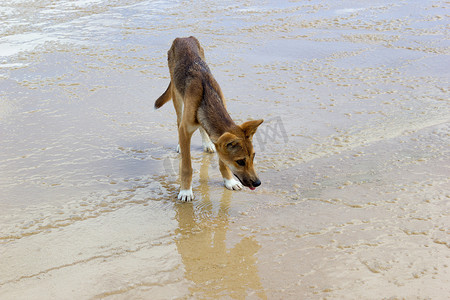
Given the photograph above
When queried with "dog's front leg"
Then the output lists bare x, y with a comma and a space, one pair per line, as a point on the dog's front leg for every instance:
208, 146
184, 136
228, 180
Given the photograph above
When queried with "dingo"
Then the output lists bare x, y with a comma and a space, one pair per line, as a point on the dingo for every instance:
199, 103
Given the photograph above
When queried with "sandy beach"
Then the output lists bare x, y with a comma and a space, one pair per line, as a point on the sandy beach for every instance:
353, 154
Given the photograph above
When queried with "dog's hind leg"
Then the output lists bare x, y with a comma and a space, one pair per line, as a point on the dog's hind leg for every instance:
208, 146
187, 127
184, 134
178, 104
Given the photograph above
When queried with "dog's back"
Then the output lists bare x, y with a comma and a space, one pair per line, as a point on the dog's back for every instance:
184, 51
187, 66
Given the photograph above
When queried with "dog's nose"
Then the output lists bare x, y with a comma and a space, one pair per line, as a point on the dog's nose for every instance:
256, 183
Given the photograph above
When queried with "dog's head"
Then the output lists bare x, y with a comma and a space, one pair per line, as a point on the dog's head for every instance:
235, 149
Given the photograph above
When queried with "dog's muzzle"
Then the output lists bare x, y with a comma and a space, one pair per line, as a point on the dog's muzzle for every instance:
250, 184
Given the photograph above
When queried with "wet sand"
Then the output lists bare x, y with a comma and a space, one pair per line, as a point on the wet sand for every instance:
353, 155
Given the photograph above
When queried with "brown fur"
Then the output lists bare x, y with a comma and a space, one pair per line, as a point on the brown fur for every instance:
199, 103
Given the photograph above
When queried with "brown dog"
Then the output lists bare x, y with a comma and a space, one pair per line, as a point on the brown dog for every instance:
199, 103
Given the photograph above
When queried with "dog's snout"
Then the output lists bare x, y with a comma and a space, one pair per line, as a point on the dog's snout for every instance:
256, 183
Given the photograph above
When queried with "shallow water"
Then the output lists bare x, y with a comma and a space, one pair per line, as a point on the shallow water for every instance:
353, 154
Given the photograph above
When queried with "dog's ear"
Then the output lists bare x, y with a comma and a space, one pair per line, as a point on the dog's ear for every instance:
228, 142
250, 127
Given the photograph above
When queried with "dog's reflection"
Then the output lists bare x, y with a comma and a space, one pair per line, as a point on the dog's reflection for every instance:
215, 270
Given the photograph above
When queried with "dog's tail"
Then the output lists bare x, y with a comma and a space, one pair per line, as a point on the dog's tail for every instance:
165, 97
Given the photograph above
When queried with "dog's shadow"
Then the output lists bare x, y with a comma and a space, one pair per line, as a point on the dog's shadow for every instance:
214, 269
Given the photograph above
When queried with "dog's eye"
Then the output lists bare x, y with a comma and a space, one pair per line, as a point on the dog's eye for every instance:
241, 162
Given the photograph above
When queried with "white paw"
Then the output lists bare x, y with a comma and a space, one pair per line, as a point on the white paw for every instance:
178, 148
186, 195
209, 147
232, 184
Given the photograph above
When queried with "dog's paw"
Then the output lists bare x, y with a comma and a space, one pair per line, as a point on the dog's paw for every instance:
186, 195
178, 148
232, 184
209, 147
